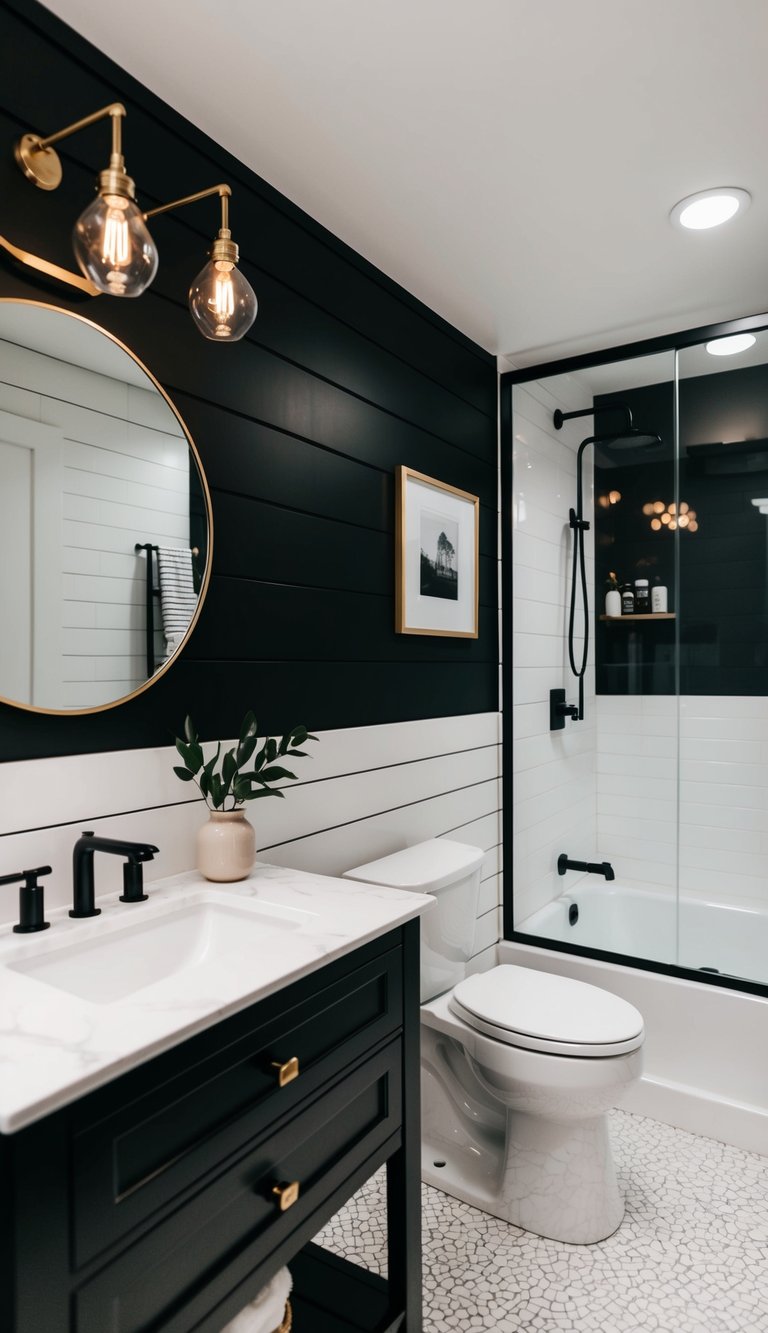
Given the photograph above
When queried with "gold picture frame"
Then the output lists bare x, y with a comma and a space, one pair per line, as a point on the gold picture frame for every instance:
437, 546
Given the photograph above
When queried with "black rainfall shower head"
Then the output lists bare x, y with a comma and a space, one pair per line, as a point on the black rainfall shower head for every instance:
631, 440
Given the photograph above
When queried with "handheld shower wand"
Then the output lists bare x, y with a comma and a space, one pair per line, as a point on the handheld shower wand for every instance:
629, 438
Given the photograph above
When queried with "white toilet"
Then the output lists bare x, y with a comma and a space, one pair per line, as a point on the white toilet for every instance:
519, 1067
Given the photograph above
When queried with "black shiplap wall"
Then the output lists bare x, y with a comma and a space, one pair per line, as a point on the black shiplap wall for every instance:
722, 598
300, 426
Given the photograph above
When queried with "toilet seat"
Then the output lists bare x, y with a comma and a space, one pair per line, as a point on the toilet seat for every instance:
544, 1012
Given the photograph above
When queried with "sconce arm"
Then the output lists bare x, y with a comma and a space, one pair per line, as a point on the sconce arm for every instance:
40, 163
115, 109
224, 191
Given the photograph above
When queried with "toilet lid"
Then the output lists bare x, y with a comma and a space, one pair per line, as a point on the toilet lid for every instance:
546, 1012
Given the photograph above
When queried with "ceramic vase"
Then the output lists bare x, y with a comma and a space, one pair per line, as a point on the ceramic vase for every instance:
226, 846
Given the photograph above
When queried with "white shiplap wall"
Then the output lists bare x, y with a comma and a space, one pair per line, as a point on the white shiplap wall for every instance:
125, 479
366, 792
722, 744
554, 772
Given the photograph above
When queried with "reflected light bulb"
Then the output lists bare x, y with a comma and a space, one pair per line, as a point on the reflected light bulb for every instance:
113, 246
658, 506
223, 302
656, 524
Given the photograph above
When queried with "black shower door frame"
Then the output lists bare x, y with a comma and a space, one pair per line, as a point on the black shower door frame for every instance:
672, 342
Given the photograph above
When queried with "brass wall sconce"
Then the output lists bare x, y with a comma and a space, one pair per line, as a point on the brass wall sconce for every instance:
113, 245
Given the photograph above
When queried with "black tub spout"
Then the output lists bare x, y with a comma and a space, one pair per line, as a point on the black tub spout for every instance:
589, 867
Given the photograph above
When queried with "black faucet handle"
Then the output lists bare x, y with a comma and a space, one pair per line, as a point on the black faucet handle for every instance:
31, 900
28, 877
133, 881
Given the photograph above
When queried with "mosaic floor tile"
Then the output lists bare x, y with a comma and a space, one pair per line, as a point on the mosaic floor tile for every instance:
691, 1255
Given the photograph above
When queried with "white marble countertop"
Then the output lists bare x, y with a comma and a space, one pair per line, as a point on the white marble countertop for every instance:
56, 1045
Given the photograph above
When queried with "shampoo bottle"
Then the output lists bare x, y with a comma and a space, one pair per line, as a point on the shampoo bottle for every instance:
613, 597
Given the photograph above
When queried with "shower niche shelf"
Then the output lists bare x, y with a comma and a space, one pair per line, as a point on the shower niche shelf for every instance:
643, 615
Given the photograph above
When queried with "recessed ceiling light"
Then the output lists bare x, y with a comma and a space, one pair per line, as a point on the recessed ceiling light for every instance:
710, 208
738, 342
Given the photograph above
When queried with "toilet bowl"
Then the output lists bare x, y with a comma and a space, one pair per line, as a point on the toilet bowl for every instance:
519, 1067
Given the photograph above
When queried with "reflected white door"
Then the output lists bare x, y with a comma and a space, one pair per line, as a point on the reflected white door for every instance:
16, 572
31, 663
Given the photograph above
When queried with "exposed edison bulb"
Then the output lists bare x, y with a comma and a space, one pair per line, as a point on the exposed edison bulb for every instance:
614, 497
113, 246
656, 524
223, 302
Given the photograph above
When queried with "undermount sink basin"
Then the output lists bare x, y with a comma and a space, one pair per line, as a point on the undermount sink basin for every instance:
123, 960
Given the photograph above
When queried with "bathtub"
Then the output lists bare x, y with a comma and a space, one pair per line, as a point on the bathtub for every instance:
706, 1047
643, 923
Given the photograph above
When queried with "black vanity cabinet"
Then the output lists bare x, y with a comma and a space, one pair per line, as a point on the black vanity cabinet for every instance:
164, 1201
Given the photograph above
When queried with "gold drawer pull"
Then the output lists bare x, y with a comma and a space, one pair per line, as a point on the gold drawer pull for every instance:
287, 1072
286, 1194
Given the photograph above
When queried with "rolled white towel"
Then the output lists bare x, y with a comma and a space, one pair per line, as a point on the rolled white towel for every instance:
266, 1313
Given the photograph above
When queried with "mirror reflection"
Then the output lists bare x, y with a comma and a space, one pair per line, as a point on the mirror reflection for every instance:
104, 516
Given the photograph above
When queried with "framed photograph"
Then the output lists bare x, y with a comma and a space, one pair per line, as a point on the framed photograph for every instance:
437, 534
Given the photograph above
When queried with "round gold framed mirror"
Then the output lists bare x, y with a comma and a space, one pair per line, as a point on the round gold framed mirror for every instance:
106, 529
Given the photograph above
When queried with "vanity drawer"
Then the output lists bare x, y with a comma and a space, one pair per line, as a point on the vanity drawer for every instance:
175, 1276
139, 1158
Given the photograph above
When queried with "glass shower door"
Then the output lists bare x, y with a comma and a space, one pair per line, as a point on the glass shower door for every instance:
601, 787
722, 541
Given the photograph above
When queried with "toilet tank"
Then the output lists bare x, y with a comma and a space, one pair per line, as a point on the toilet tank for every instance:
450, 872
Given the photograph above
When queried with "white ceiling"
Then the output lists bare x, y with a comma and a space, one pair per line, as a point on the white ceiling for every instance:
511, 162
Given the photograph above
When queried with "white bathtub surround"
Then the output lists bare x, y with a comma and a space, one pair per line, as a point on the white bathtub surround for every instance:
365, 792
690, 1257
652, 924
554, 772
56, 1045
704, 1065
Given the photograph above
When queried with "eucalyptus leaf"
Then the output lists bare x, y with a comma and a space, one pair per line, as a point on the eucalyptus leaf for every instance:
249, 727
275, 774
184, 774
245, 749
228, 768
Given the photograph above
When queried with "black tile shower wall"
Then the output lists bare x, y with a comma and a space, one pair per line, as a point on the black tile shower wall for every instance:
721, 600
343, 377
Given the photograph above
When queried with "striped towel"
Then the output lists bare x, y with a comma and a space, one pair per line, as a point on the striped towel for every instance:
178, 599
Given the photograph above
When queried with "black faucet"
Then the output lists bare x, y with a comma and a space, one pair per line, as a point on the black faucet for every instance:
82, 870
31, 911
591, 867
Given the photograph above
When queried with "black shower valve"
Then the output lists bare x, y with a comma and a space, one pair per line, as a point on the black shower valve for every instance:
559, 710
